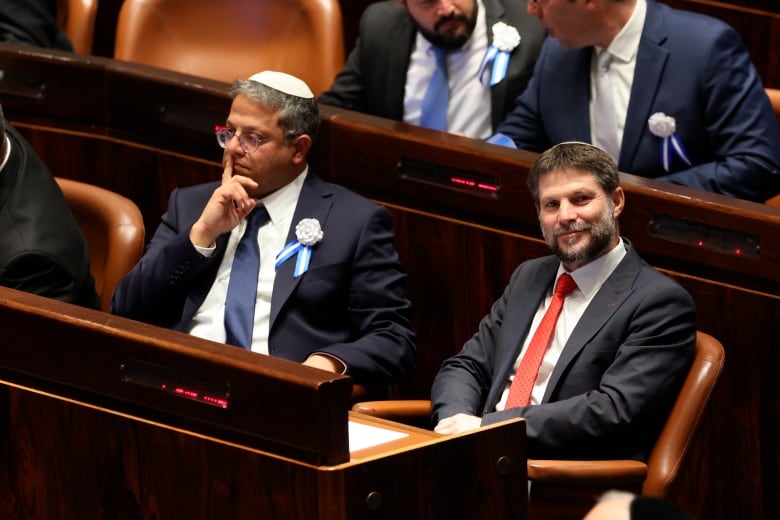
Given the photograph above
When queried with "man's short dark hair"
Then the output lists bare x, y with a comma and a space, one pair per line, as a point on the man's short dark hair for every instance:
575, 156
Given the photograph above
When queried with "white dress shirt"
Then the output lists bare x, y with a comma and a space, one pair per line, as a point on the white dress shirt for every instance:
623, 48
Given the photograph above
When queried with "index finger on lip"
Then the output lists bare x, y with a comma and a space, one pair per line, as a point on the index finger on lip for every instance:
227, 173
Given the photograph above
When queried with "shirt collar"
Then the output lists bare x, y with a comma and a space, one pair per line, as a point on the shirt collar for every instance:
591, 276
281, 203
626, 44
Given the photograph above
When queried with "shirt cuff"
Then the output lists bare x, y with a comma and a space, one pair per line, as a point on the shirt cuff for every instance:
502, 140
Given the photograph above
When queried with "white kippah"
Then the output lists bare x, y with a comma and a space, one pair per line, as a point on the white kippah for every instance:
283, 83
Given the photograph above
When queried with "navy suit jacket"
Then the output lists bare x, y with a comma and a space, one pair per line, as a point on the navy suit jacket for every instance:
617, 376
350, 303
691, 67
374, 76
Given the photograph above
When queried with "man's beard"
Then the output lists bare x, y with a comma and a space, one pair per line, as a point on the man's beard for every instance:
601, 234
452, 41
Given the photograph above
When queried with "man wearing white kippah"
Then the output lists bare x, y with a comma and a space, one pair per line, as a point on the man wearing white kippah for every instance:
272, 258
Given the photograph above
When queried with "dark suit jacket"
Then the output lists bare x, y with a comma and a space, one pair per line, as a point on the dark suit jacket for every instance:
350, 303
691, 67
374, 77
33, 22
616, 379
42, 248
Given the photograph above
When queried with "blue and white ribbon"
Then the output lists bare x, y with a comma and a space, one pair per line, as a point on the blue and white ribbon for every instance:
505, 40
500, 64
668, 146
303, 257
665, 127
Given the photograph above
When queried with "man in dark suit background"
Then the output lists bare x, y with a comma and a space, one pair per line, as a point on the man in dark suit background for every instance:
621, 347
42, 248
335, 302
681, 82
33, 22
392, 63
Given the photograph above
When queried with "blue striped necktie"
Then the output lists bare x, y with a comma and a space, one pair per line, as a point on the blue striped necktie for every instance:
242, 287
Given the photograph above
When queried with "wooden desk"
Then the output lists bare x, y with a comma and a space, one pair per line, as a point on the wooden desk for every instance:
145, 131
249, 436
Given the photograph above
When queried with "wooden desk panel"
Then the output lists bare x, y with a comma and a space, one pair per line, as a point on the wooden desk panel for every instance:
79, 440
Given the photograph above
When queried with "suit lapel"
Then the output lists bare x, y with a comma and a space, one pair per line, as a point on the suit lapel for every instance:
313, 202
519, 313
494, 12
608, 299
398, 65
650, 62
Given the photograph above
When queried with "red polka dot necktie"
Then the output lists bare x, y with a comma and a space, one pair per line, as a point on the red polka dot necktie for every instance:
525, 377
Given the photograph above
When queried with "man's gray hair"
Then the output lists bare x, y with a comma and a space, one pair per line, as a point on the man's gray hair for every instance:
297, 116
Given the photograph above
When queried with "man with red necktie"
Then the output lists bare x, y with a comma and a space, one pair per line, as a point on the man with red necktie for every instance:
593, 366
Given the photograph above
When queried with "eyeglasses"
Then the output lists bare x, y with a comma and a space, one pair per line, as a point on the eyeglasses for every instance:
249, 142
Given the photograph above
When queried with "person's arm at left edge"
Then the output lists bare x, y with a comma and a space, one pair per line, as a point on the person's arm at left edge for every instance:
378, 312
40, 274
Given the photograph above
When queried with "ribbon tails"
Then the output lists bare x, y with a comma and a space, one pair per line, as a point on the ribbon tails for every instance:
670, 145
500, 63
303, 257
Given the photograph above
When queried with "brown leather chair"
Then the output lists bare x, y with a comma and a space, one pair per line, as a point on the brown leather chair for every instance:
567, 488
114, 230
77, 19
229, 39
774, 98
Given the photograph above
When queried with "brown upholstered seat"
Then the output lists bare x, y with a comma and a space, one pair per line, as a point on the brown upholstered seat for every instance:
77, 19
566, 488
228, 39
114, 230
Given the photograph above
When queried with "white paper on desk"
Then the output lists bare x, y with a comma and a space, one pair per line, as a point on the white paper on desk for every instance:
362, 436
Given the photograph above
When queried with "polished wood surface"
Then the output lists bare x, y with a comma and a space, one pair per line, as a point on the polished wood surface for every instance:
78, 440
146, 131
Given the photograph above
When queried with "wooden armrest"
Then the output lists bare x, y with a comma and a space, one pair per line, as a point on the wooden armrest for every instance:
618, 472
407, 411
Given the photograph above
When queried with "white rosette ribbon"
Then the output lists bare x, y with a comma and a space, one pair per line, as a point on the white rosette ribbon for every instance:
505, 39
665, 127
308, 232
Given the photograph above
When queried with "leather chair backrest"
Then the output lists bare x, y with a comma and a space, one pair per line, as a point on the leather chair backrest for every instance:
669, 451
114, 229
77, 19
229, 39
774, 99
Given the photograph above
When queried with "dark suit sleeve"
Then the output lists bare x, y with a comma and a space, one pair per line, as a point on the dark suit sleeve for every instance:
41, 274
743, 133
462, 384
33, 22
155, 289
379, 315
